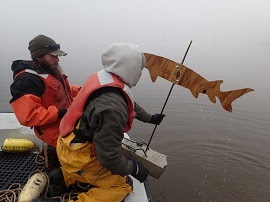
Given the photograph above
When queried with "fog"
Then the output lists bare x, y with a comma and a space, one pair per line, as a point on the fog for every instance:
230, 42
229, 33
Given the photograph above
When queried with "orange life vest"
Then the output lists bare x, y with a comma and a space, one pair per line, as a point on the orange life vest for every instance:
96, 81
55, 94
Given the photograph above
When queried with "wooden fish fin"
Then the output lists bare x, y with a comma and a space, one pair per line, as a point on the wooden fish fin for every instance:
152, 65
213, 89
194, 93
162, 67
153, 74
226, 98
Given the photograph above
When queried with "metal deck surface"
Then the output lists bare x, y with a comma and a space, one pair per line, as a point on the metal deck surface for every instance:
16, 168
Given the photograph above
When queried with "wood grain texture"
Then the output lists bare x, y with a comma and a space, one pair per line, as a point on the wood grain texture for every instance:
183, 76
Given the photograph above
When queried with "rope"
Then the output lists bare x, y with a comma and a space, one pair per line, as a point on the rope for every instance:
84, 186
69, 196
39, 160
12, 193
133, 150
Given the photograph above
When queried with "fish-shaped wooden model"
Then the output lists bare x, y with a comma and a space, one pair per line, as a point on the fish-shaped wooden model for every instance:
183, 76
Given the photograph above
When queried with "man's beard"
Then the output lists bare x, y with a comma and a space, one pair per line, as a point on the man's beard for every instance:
54, 70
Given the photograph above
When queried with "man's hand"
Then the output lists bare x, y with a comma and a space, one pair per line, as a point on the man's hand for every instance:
156, 119
139, 171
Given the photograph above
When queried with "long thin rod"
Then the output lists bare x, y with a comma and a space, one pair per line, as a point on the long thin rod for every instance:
167, 98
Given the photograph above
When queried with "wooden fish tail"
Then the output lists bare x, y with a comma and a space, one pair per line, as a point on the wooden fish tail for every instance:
226, 98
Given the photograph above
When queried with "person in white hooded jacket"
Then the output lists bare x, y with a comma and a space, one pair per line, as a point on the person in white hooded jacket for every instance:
89, 146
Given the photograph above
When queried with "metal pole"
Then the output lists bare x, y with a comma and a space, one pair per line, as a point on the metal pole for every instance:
167, 97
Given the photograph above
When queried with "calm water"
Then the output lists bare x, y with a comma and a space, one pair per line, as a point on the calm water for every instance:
213, 155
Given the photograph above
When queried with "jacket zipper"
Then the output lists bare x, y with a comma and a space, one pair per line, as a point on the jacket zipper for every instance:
65, 87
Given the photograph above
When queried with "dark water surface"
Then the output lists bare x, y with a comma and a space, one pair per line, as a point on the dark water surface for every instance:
213, 155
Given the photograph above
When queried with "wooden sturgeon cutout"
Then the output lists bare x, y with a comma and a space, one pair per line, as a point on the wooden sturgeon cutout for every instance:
183, 76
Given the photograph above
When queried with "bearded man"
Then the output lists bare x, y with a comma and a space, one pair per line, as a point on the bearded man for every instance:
41, 93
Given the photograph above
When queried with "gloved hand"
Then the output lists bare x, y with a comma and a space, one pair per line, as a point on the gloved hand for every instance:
62, 112
156, 119
139, 171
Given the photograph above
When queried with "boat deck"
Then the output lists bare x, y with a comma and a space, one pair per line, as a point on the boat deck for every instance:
16, 168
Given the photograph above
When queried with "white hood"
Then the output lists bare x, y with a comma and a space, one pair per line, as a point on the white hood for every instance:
125, 61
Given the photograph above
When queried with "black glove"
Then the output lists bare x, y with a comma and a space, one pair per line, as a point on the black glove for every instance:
139, 171
62, 112
156, 119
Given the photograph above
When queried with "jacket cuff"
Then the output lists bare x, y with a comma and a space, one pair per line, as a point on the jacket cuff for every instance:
142, 115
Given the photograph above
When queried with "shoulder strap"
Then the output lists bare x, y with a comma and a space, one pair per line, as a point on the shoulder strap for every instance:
107, 89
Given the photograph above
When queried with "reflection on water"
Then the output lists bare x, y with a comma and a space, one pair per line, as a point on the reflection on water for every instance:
213, 155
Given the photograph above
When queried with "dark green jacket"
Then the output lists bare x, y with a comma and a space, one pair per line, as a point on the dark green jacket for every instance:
106, 119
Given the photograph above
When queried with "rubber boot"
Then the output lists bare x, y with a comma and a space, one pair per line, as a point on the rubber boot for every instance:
50, 157
57, 185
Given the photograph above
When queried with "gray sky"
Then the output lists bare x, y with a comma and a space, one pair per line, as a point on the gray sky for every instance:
230, 37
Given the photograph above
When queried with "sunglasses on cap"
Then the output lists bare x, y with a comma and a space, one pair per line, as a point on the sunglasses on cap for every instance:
52, 47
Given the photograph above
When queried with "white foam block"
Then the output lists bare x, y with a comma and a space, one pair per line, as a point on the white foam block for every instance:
154, 161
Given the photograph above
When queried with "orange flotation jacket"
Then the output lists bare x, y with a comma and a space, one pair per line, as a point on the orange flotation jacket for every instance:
96, 81
56, 94
55, 91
